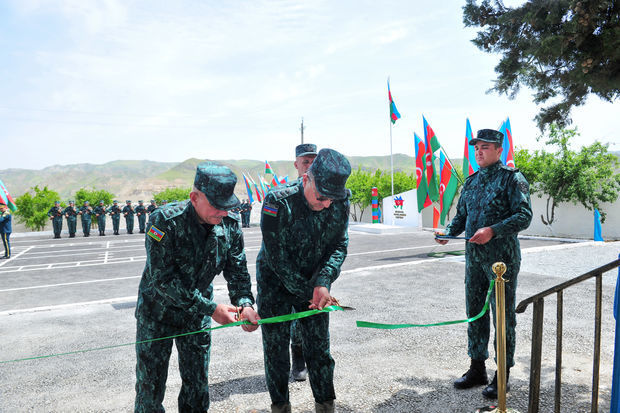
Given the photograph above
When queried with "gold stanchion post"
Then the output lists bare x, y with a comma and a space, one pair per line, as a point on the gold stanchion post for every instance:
499, 268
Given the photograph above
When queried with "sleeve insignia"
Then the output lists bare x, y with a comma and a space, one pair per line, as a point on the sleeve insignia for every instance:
155, 233
524, 187
270, 209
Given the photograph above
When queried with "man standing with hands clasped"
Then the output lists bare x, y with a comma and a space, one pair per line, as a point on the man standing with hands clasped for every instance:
304, 227
493, 207
187, 245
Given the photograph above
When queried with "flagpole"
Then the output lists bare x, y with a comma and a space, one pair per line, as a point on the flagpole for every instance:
391, 160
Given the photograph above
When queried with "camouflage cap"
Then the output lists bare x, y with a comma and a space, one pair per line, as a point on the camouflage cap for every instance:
57, 202
72, 202
86, 202
101, 202
140, 201
330, 171
217, 182
305, 149
488, 135
152, 201
128, 201
115, 201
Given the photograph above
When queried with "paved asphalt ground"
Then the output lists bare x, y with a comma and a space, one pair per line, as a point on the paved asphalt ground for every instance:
70, 294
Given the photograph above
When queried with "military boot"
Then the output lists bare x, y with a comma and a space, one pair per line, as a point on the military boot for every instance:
325, 407
281, 408
490, 391
475, 376
299, 371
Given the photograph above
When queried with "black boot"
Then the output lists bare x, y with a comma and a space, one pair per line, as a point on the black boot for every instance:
299, 371
475, 376
490, 391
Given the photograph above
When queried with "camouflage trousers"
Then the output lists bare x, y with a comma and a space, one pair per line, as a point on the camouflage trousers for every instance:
152, 367
86, 226
57, 225
478, 276
116, 220
273, 300
72, 225
142, 222
129, 223
101, 223
295, 333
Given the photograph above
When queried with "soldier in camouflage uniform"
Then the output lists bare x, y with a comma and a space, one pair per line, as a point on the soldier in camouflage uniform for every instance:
141, 213
187, 245
128, 213
100, 212
115, 214
71, 214
493, 207
304, 227
55, 214
151, 207
86, 211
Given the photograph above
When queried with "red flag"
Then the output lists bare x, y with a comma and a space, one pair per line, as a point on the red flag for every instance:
435, 217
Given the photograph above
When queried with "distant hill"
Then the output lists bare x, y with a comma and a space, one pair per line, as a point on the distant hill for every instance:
140, 179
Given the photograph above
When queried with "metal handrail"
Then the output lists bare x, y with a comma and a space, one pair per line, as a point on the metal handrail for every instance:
537, 335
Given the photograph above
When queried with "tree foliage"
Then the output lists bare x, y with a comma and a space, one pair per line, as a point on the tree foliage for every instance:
172, 194
361, 183
93, 196
33, 206
587, 177
561, 49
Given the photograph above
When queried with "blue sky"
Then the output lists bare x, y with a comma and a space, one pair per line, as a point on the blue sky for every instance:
96, 81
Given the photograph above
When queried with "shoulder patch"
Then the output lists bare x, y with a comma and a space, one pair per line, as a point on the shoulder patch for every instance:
281, 193
234, 216
524, 187
155, 233
270, 209
172, 210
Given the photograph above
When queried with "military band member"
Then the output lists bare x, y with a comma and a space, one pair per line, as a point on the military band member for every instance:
187, 245
128, 213
55, 214
86, 211
304, 227
70, 214
100, 212
493, 207
141, 214
115, 214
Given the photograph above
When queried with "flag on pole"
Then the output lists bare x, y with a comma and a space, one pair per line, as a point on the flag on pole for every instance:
420, 173
263, 185
284, 180
394, 115
447, 187
259, 196
435, 217
274, 181
6, 197
469, 159
247, 187
509, 157
268, 169
598, 230
431, 144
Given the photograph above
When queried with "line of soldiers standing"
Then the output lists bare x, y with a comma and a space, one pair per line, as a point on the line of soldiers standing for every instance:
245, 210
86, 213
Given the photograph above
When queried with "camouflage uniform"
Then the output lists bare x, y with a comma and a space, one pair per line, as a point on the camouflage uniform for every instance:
129, 212
115, 214
86, 211
151, 207
302, 249
175, 296
71, 214
141, 213
498, 197
100, 212
55, 213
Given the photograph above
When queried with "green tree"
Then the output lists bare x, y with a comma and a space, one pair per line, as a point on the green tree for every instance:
171, 194
33, 206
93, 196
562, 49
587, 177
361, 196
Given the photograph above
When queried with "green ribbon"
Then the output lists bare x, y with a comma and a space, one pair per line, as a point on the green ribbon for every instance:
368, 324
271, 320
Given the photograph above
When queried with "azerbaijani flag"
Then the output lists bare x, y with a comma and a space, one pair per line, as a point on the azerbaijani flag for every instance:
284, 180
469, 159
435, 217
447, 187
263, 185
431, 143
508, 154
394, 115
268, 169
6, 197
259, 195
247, 187
274, 181
420, 173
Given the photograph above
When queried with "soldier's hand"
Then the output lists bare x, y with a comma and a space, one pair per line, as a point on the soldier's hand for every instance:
225, 314
440, 241
248, 313
482, 236
320, 298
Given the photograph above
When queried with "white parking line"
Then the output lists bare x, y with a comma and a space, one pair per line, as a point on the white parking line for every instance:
34, 287
12, 258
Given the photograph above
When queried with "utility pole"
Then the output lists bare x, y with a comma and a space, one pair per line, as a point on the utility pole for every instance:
302, 130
